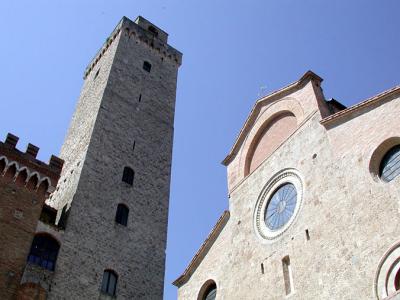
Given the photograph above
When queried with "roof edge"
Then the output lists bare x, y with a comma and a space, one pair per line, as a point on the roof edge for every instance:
309, 75
208, 242
369, 101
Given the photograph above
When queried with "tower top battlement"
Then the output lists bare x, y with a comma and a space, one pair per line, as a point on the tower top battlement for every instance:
144, 32
153, 29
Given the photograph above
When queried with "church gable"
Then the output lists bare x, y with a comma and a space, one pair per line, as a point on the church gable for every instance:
272, 121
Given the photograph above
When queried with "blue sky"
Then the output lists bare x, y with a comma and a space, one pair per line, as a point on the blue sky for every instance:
233, 52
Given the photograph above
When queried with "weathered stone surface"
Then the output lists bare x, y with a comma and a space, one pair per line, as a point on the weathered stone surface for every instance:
351, 216
120, 105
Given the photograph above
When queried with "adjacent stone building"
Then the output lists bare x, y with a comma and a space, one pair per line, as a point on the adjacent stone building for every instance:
102, 233
313, 203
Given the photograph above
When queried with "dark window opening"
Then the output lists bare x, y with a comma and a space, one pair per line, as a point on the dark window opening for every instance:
146, 66
262, 268
48, 215
97, 74
122, 214
140, 98
397, 281
44, 251
307, 235
109, 283
128, 175
134, 145
211, 292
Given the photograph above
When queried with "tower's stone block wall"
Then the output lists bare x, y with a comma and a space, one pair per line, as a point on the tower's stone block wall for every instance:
124, 118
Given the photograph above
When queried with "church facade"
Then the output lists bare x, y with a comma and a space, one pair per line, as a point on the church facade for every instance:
313, 203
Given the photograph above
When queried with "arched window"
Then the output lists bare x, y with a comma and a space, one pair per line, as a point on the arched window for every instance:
44, 251
109, 283
208, 291
211, 293
128, 175
121, 216
390, 165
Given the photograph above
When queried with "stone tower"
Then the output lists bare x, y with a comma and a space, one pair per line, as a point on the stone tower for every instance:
117, 152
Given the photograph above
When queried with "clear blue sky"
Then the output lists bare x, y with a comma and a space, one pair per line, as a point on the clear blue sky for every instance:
231, 50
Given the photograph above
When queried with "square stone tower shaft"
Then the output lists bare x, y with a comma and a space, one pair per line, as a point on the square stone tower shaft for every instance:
124, 118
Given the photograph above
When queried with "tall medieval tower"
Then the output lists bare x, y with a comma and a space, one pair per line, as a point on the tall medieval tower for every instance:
117, 156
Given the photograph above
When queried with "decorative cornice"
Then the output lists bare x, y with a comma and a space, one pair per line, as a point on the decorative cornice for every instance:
30, 173
194, 263
357, 107
309, 75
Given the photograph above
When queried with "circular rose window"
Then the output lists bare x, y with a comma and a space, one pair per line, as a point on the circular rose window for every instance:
280, 207
278, 204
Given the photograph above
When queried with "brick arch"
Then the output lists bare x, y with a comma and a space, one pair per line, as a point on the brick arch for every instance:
268, 138
266, 114
22, 176
33, 181
11, 171
31, 291
43, 186
3, 164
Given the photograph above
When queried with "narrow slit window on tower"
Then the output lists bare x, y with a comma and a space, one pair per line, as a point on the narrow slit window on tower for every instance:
287, 275
307, 235
109, 283
121, 217
140, 98
262, 268
146, 66
133, 145
97, 74
128, 175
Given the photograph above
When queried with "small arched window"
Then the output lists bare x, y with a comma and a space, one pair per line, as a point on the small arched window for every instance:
208, 291
109, 283
121, 216
44, 251
390, 164
128, 175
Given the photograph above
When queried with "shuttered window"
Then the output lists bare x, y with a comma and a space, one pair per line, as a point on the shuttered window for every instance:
109, 283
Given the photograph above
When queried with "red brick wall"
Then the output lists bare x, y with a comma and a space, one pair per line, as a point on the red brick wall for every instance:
20, 210
270, 138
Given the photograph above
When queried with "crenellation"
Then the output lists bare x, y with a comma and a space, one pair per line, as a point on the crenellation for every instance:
140, 34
